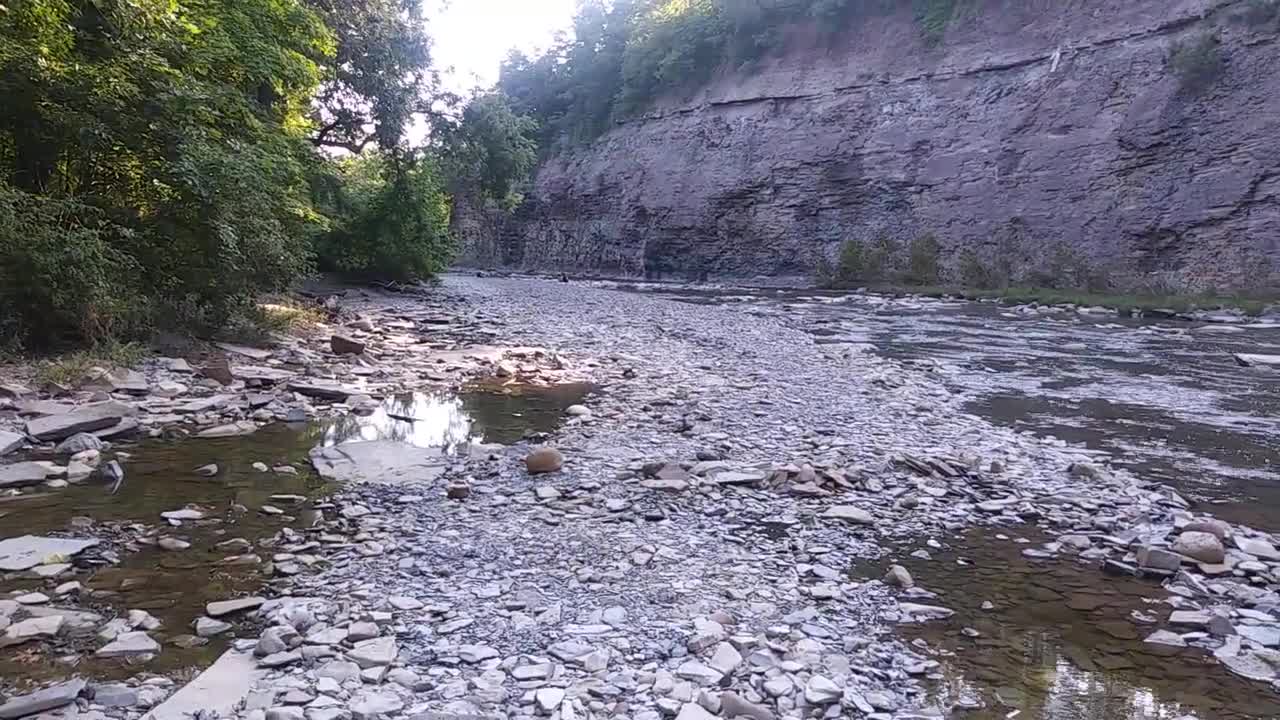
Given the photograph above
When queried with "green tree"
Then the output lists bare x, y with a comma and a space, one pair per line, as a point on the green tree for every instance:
492, 149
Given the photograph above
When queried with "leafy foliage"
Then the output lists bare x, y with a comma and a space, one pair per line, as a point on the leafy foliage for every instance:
492, 149
158, 160
394, 219
624, 55
922, 260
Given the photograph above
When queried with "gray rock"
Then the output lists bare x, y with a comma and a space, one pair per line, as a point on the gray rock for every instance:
50, 698
10, 441
476, 653
726, 659
115, 695
339, 671
345, 345
28, 551
694, 711
1258, 548
370, 705
549, 699
78, 443
273, 640
899, 577
821, 691
849, 514
1157, 559
1201, 546
362, 631
23, 474
733, 705
544, 460
207, 627
376, 652
130, 644
286, 712
1265, 635
699, 673
96, 416
280, 659
228, 607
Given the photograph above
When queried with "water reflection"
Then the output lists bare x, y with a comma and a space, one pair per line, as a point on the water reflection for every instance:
1061, 642
494, 413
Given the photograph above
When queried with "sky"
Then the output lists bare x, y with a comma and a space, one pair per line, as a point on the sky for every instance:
473, 36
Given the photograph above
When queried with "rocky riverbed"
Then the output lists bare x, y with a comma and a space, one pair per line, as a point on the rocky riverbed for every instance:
529, 498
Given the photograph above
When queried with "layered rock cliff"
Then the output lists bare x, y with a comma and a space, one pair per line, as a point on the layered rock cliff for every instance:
1032, 129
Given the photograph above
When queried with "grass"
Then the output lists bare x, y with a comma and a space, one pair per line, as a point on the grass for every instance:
268, 320
70, 369
1048, 296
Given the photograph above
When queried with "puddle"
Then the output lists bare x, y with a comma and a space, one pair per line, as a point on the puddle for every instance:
479, 414
1060, 643
175, 586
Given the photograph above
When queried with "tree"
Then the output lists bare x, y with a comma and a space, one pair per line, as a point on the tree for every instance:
492, 149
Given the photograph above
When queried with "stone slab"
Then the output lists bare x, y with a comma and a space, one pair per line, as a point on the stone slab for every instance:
384, 461
28, 551
217, 690
96, 416
50, 698
23, 474
10, 441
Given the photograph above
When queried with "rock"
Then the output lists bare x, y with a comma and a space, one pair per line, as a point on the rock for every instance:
50, 698
130, 644
370, 705
31, 629
1157, 559
1164, 637
849, 513
286, 712
699, 673
1210, 525
476, 653
458, 490
23, 474
733, 705
183, 514
382, 461
36, 598
345, 345
207, 627
1258, 548
899, 577
28, 551
207, 470
362, 631
544, 460
930, 612
577, 410
821, 691
273, 640
78, 443
339, 671
141, 619
1265, 635
280, 659
172, 544
726, 659
374, 653
694, 711
96, 416
235, 429
115, 695
1254, 359
549, 699
1201, 546
1189, 617
402, 602
227, 607
10, 441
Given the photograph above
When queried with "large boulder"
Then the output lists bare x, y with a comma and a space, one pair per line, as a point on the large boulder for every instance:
544, 460
345, 345
1200, 546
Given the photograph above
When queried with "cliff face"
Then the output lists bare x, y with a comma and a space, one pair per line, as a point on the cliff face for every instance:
1034, 127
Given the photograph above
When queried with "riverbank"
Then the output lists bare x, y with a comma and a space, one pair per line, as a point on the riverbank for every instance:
697, 550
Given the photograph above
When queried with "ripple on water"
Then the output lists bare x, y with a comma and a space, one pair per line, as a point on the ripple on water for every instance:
1060, 643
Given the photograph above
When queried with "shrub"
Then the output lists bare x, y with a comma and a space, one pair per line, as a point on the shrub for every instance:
61, 274
853, 261
391, 220
1263, 14
933, 17
1197, 63
974, 272
922, 260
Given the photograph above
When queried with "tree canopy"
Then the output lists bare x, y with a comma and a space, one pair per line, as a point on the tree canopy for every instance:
163, 162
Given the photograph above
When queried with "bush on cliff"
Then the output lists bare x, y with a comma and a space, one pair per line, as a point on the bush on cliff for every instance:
1197, 63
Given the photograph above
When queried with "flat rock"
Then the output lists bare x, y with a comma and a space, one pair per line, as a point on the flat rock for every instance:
1253, 546
375, 653
31, 629
235, 429
370, 705
207, 627
216, 691
10, 441
322, 391
383, 461
130, 643
849, 513
95, 416
115, 695
227, 607
28, 551
1256, 360
694, 711
249, 352
23, 474
345, 345
822, 691
50, 698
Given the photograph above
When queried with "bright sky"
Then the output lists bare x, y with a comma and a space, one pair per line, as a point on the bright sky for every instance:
473, 36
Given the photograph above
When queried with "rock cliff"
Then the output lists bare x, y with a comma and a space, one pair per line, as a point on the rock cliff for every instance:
1035, 130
